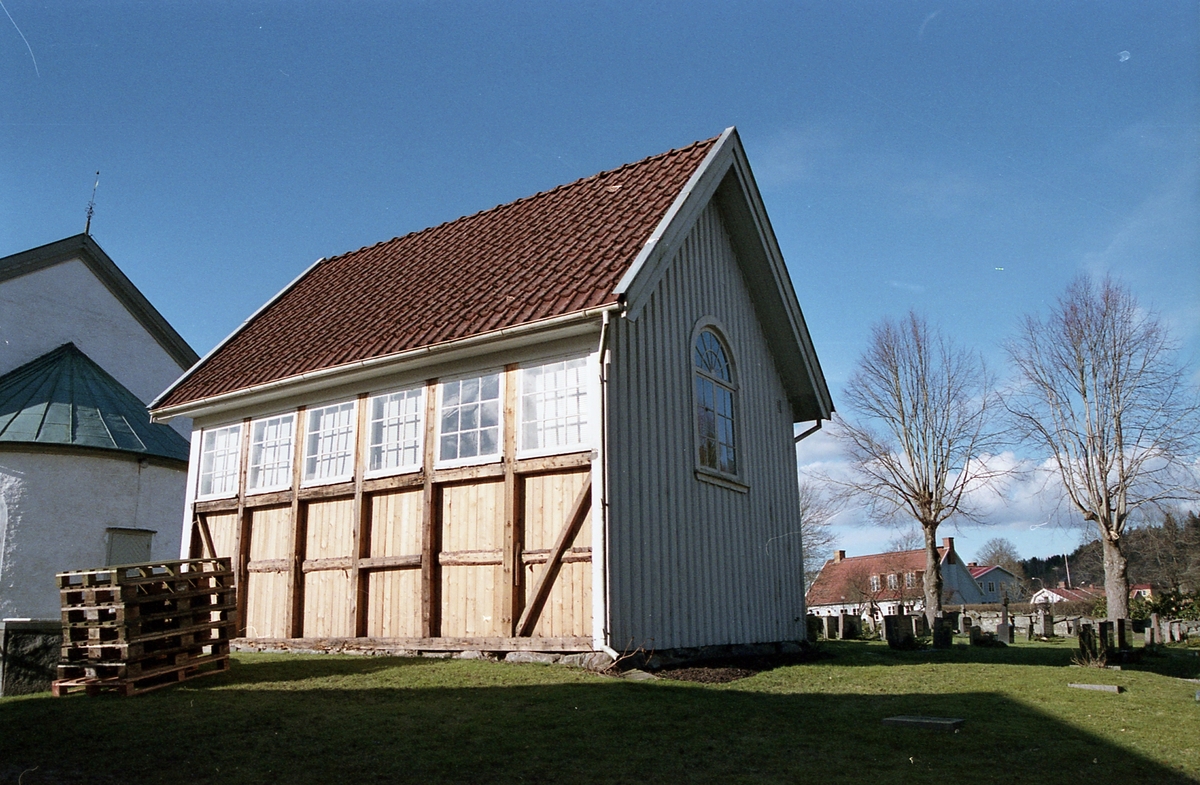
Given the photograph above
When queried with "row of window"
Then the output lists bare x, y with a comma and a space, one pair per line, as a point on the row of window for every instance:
893, 580
553, 417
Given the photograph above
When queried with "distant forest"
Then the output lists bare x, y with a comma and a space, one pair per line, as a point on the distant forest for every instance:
1164, 554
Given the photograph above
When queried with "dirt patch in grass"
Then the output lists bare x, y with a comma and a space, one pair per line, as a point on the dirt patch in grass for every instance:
707, 675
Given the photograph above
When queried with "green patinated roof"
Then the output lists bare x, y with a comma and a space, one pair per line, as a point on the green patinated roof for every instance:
63, 398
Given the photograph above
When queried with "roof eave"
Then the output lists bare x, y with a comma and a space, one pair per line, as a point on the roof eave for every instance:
565, 325
725, 175
84, 248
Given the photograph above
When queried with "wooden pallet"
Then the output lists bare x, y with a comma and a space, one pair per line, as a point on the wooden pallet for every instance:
162, 677
133, 628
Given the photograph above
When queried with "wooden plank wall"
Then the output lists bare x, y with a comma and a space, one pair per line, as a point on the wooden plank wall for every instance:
445, 555
692, 563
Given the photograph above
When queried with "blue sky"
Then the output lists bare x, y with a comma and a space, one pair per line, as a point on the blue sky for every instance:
905, 150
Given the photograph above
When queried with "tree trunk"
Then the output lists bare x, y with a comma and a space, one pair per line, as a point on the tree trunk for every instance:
1116, 579
933, 576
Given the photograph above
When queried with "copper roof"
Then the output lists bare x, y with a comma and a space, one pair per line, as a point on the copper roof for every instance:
547, 255
847, 581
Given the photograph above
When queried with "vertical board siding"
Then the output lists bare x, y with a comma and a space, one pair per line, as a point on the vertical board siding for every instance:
694, 563
328, 593
568, 609
330, 529
394, 596
473, 523
394, 604
327, 604
269, 593
223, 528
396, 524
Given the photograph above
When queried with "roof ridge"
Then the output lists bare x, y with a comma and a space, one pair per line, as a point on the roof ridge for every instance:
523, 199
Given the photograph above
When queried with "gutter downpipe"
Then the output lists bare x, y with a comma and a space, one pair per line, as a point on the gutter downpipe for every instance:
600, 642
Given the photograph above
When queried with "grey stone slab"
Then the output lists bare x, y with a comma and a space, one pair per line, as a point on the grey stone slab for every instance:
639, 676
925, 723
1098, 687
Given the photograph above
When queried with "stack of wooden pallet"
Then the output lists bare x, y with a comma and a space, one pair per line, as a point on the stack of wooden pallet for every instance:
130, 629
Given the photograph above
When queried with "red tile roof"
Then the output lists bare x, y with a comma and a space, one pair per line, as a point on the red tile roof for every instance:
547, 255
847, 580
976, 571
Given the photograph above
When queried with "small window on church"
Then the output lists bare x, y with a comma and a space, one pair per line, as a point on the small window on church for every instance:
715, 392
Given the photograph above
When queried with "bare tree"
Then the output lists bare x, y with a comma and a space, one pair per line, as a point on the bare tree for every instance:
1000, 552
1102, 394
816, 531
924, 410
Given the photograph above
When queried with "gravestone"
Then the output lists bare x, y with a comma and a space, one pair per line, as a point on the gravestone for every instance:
1087, 641
1153, 630
813, 626
849, 626
829, 626
1029, 630
943, 633
920, 625
1104, 641
976, 633
1124, 634
897, 630
1047, 624
1004, 632
964, 624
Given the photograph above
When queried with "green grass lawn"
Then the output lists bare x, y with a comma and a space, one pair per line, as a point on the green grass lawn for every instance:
291, 718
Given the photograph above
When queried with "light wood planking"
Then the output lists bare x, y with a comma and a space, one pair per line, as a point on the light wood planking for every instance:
327, 609
330, 529
568, 608
268, 594
396, 523
223, 529
472, 595
394, 603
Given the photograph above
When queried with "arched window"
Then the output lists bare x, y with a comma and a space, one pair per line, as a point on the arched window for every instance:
715, 390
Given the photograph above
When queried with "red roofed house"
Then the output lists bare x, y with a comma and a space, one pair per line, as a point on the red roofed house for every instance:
562, 424
995, 582
888, 583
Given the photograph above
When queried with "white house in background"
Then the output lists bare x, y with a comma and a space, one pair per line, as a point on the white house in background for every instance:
995, 582
85, 478
1060, 593
883, 584
561, 424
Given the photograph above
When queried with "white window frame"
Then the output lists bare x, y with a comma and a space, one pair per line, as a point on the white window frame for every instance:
587, 388
288, 468
714, 474
474, 460
369, 443
875, 583
233, 431
991, 587
893, 581
910, 580
308, 479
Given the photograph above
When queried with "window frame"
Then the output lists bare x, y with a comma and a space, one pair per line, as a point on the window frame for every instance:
368, 444
589, 387
715, 475
251, 488
875, 583
237, 463
305, 455
474, 460
893, 581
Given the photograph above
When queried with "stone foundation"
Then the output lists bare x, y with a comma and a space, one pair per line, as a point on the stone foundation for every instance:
29, 655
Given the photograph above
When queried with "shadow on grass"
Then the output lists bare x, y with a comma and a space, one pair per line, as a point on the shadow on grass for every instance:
230, 729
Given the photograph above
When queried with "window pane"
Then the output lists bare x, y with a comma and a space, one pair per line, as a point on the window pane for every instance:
554, 405
469, 408
714, 405
271, 452
329, 443
396, 430
220, 451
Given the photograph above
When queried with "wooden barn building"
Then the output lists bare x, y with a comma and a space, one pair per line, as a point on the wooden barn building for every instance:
561, 424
